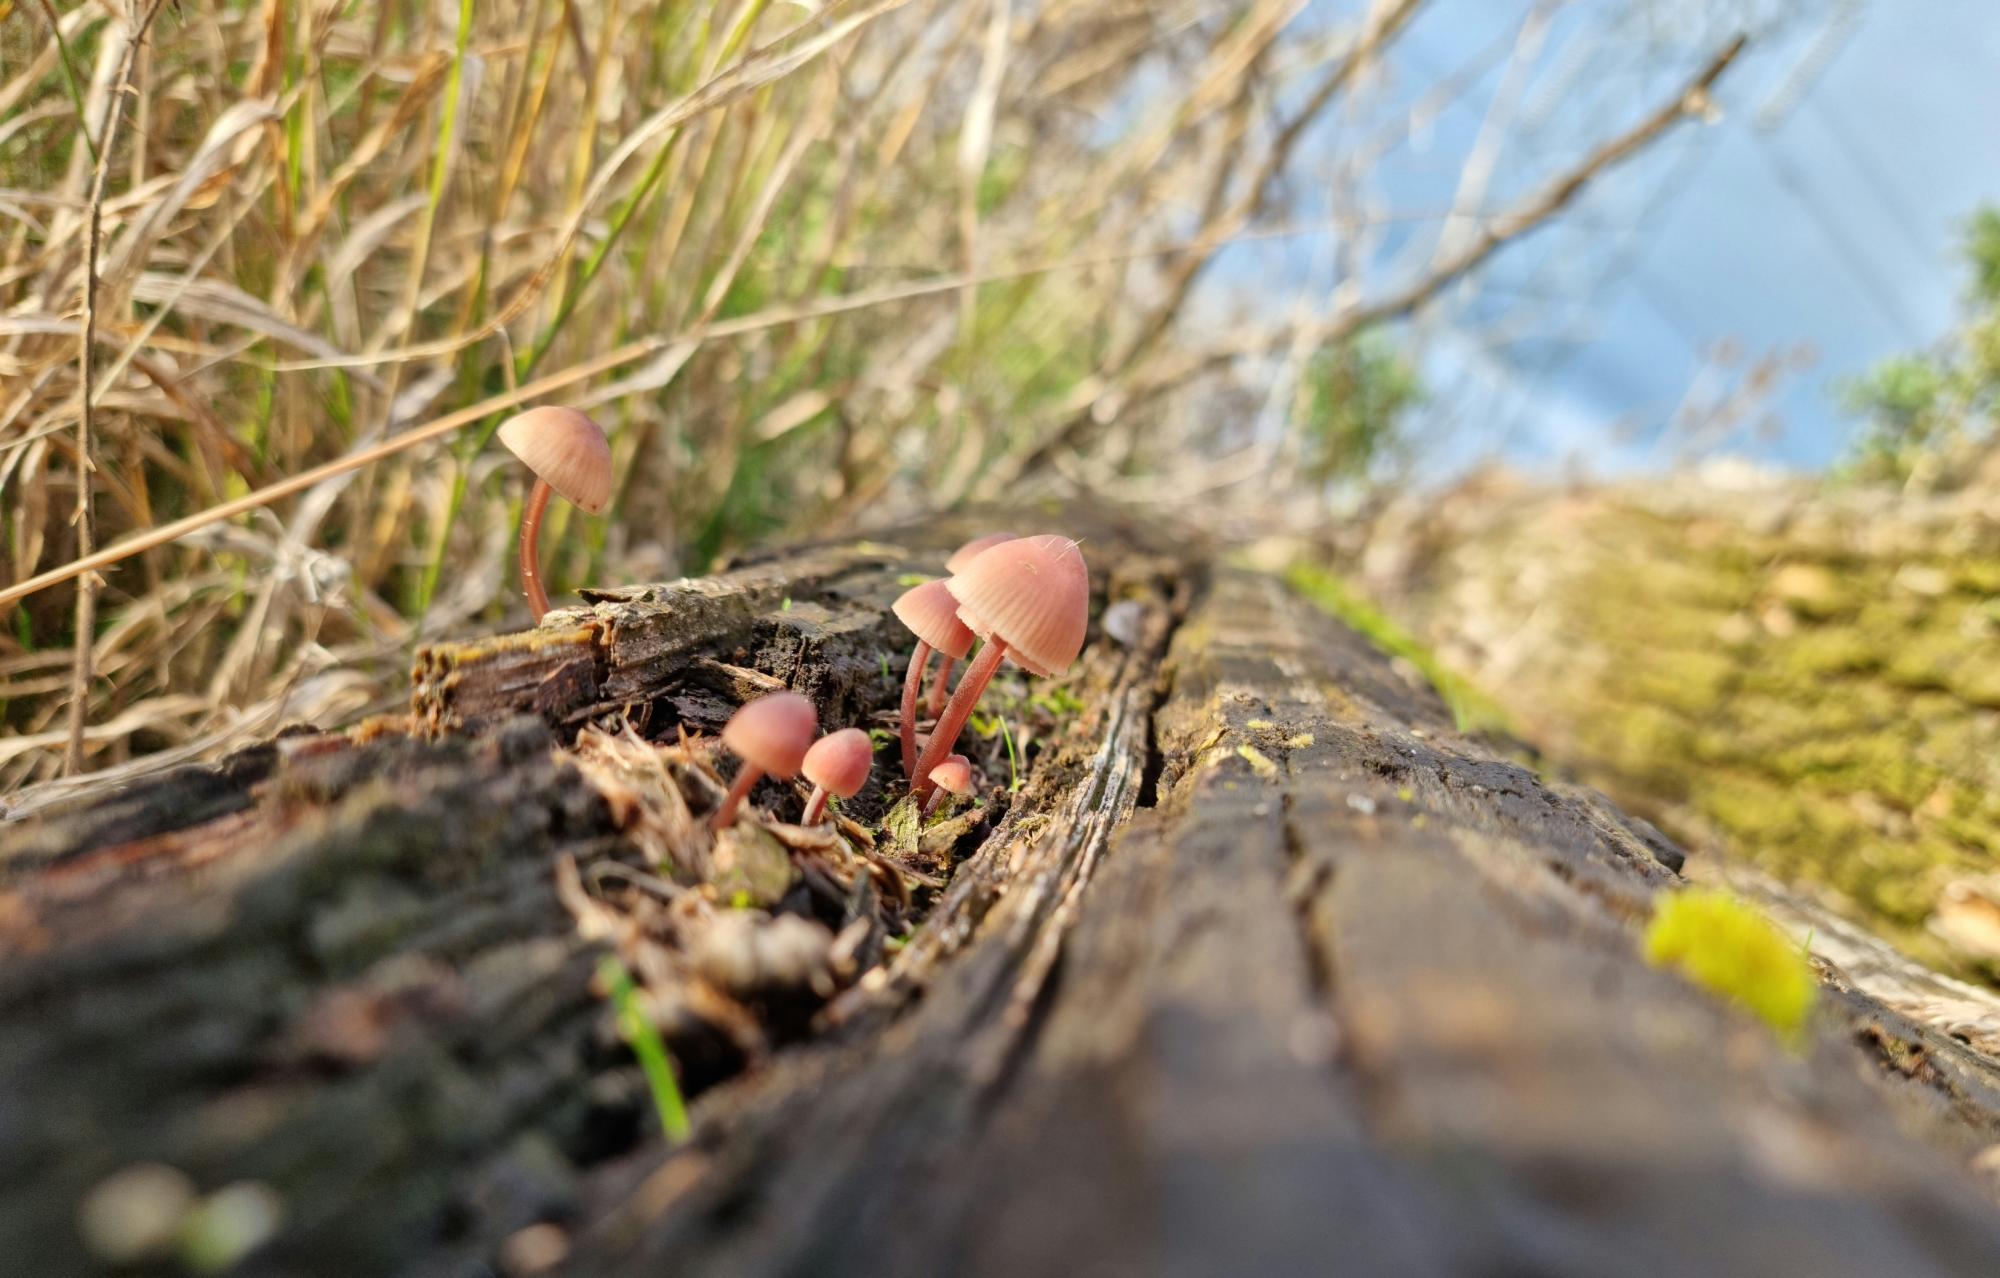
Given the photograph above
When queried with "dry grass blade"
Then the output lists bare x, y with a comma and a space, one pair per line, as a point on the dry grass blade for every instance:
85, 627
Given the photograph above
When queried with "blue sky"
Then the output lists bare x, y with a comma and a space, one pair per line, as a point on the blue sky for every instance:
1837, 228
1818, 219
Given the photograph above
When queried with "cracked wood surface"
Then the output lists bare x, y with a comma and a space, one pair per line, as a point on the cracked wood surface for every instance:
1265, 970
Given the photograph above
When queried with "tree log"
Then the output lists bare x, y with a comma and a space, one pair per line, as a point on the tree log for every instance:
1262, 969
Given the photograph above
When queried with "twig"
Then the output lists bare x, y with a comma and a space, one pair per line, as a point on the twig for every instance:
1549, 201
86, 587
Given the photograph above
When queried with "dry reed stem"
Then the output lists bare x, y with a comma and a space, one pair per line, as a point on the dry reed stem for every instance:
85, 624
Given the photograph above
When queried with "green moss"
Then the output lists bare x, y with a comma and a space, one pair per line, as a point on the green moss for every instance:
1728, 948
1800, 708
1976, 576
1831, 651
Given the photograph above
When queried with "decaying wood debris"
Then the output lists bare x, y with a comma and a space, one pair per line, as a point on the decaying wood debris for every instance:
1256, 967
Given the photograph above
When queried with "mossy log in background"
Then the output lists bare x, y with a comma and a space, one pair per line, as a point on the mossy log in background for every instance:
1800, 675
1264, 969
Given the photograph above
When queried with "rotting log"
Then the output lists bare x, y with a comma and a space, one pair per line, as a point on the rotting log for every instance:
1263, 969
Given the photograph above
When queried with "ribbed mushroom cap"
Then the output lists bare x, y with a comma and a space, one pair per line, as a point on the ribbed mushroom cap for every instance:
840, 761
954, 774
970, 550
773, 733
932, 616
565, 448
1033, 593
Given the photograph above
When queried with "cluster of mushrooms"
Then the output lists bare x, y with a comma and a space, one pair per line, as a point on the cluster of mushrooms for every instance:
1026, 598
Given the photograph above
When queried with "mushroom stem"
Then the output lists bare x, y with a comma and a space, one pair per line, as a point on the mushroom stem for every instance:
531, 532
726, 814
815, 806
941, 686
944, 736
931, 804
913, 683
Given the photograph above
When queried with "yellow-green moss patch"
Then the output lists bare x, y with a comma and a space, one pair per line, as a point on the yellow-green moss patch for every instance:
1728, 948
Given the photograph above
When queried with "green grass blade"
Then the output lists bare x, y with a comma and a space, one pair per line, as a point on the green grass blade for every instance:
645, 1042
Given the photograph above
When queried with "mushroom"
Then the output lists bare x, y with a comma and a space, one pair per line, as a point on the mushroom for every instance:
932, 615
771, 735
953, 777
838, 763
964, 555
569, 455
1029, 599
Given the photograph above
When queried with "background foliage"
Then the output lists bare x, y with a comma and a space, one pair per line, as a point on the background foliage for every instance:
1931, 414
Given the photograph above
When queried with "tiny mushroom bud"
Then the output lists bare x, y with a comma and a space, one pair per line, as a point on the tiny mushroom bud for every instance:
838, 763
953, 777
1030, 600
771, 735
569, 455
932, 615
941, 685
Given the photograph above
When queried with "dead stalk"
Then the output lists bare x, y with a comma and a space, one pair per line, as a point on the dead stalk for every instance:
86, 468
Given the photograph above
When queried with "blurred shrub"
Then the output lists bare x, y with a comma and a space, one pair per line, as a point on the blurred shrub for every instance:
1930, 417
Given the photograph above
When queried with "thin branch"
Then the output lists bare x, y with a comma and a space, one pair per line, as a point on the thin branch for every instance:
1551, 200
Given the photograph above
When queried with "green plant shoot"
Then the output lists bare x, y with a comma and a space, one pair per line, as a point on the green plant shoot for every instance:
644, 1039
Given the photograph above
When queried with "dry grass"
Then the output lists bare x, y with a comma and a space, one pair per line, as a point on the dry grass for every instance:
850, 257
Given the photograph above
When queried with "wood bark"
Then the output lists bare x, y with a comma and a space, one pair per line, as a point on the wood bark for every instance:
1263, 970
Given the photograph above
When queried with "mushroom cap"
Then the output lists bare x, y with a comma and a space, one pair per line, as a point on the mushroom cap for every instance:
970, 550
773, 733
1033, 594
932, 616
567, 450
954, 774
840, 761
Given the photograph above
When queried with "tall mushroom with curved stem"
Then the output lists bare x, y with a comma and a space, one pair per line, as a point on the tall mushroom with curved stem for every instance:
838, 763
569, 455
1029, 600
932, 615
941, 686
771, 735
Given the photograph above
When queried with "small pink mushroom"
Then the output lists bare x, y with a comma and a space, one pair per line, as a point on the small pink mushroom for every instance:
932, 615
569, 455
838, 763
771, 735
953, 777
1029, 599
941, 686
